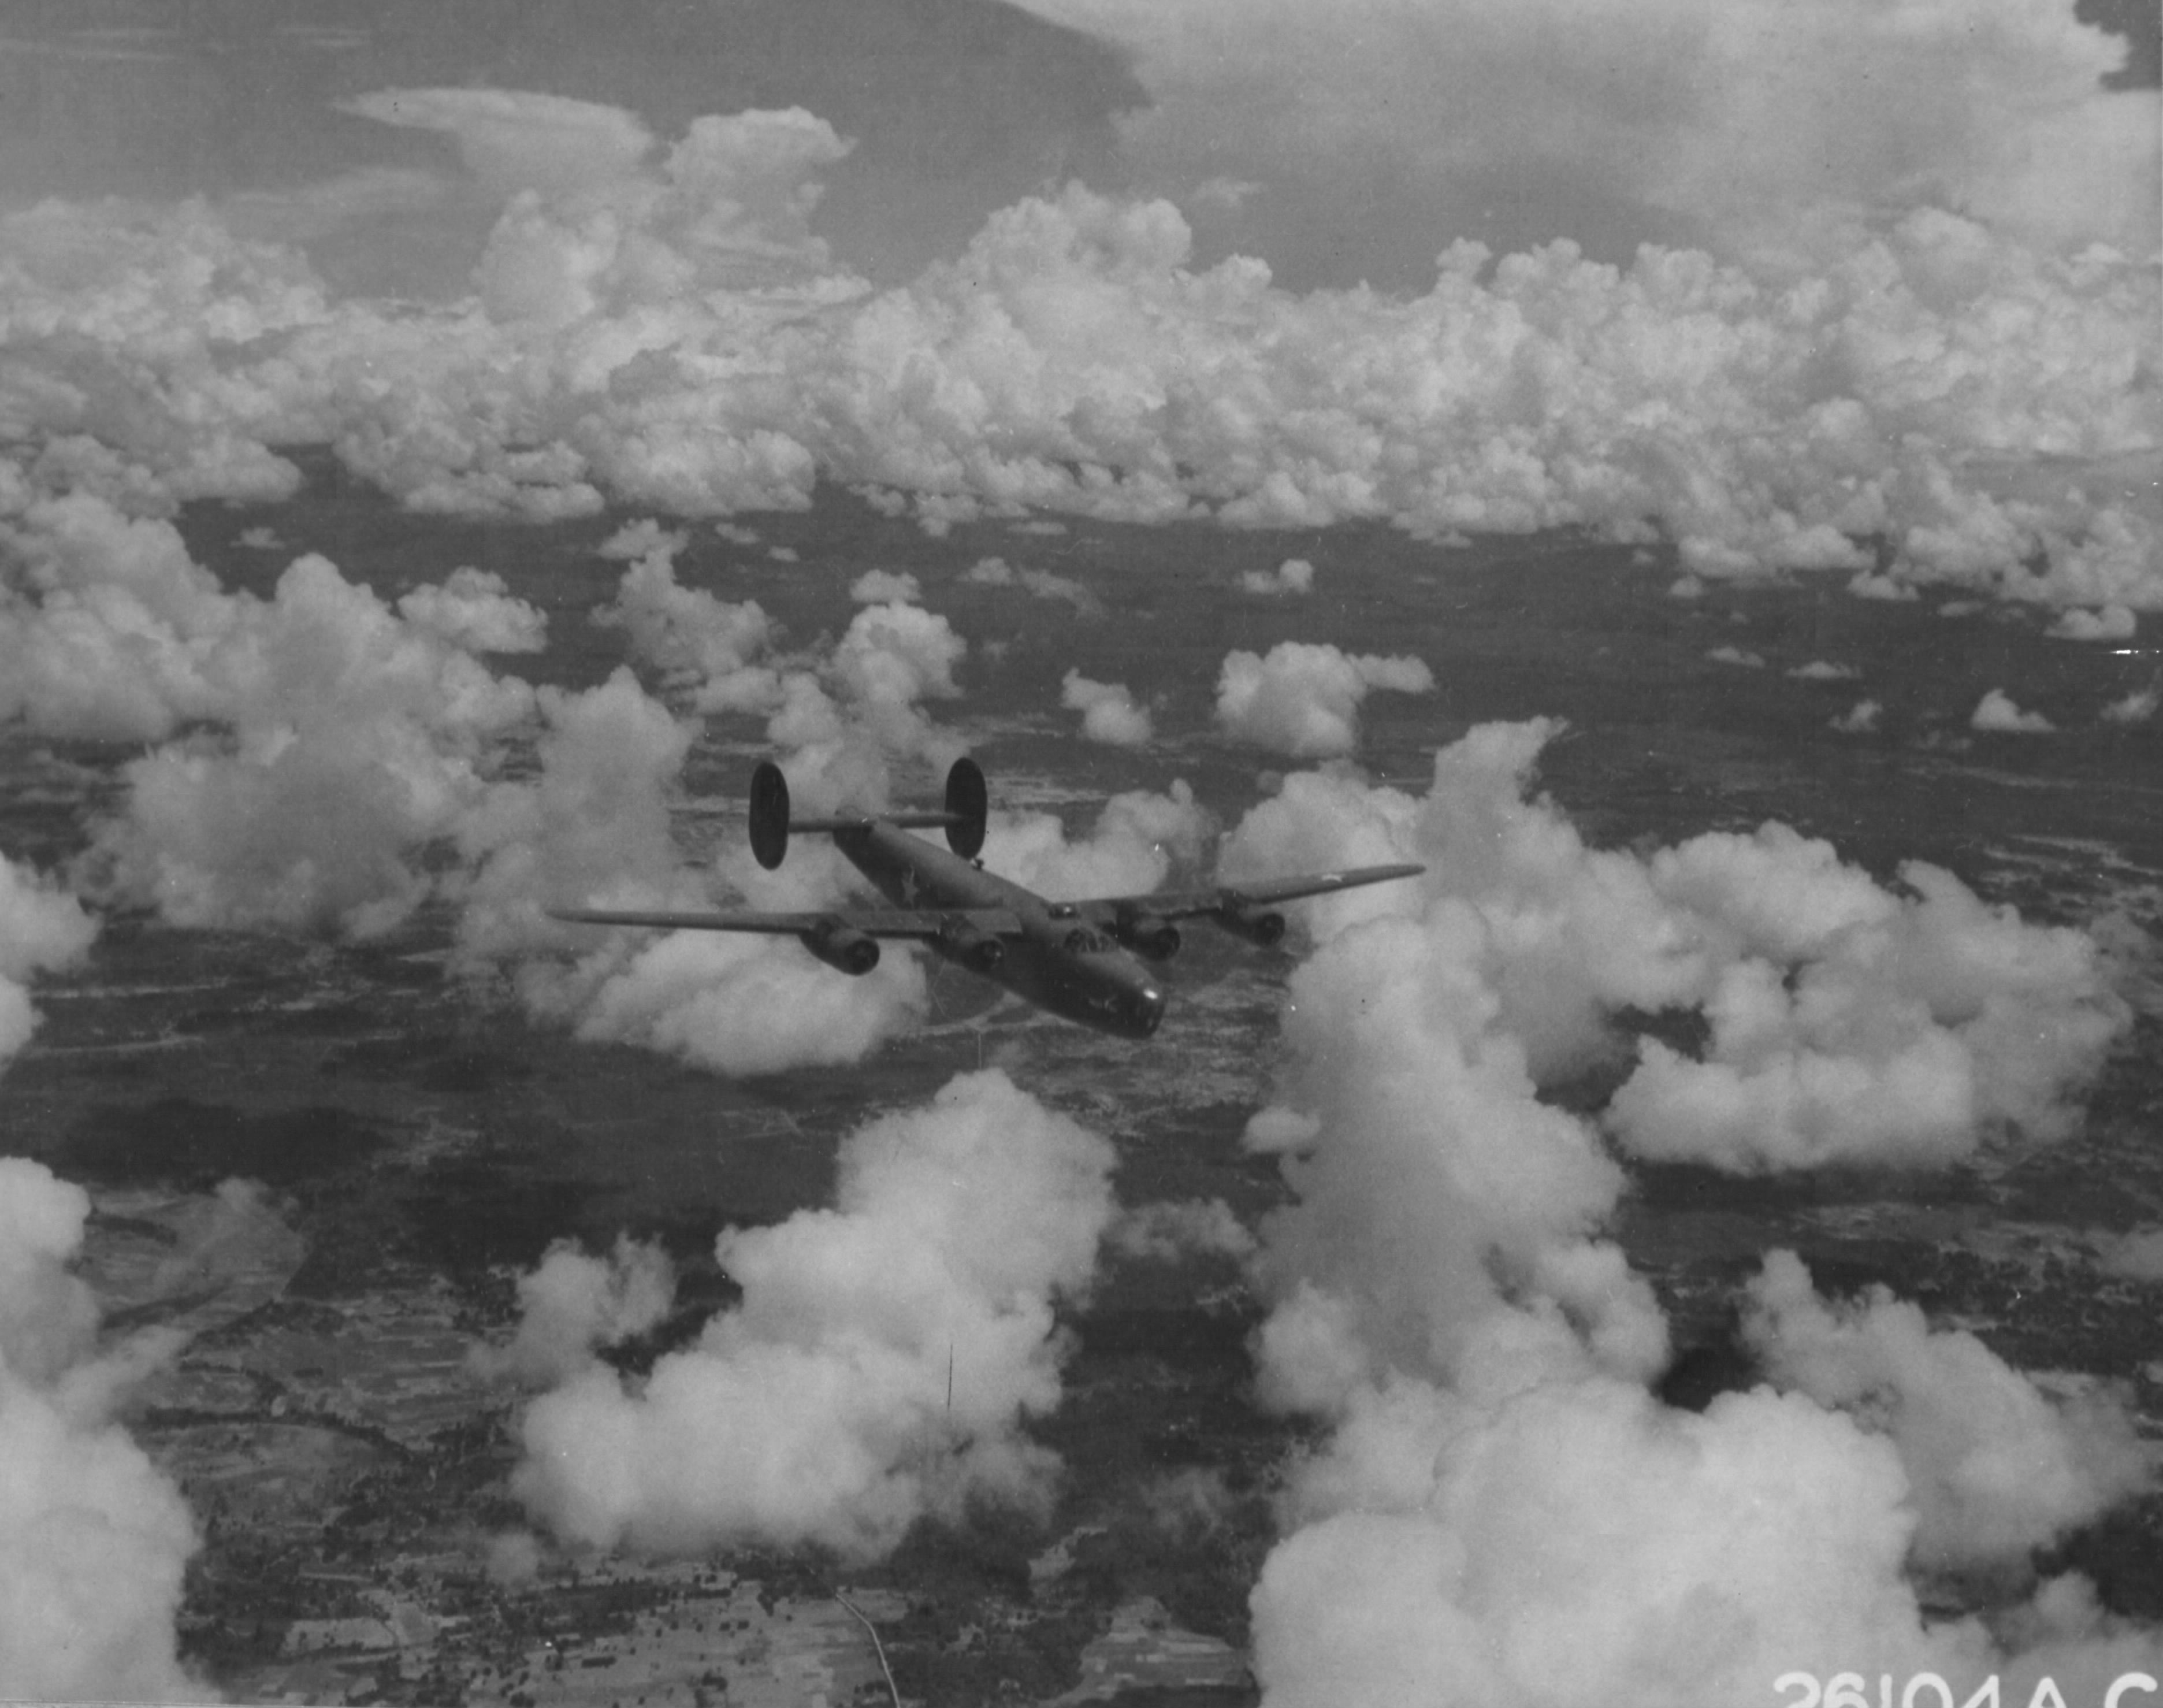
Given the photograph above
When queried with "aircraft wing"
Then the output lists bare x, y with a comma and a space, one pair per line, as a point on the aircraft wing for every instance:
872, 922
1187, 904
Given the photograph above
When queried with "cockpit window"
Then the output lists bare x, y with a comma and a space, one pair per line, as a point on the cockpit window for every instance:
1082, 941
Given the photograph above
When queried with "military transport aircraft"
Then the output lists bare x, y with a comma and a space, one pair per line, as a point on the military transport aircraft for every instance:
1070, 958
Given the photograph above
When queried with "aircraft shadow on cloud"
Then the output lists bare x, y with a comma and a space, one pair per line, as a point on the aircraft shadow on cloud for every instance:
1081, 959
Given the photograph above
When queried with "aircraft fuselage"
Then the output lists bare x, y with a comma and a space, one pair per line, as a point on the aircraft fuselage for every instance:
1057, 961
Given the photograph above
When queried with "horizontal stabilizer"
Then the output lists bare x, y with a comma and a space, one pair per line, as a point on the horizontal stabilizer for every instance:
857, 821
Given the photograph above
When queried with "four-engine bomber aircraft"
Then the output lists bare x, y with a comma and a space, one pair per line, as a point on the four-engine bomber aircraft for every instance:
1071, 957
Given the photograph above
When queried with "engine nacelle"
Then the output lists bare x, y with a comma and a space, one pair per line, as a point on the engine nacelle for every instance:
840, 945
1265, 927
1148, 935
982, 950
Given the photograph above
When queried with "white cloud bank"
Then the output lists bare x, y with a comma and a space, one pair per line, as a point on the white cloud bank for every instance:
346, 762
1845, 1021
1984, 409
1754, 126
1501, 1512
818, 1408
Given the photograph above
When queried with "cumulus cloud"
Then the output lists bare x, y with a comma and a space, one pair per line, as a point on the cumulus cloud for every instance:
1898, 1028
1110, 712
1736, 655
592, 828
93, 1538
350, 762
1824, 670
885, 587
1860, 719
473, 610
692, 637
1303, 699
2134, 708
1165, 1232
1995, 1467
1138, 838
1997, 713
1295, 575
740, 1004
351, 740
1499, 1509
573, 1303
1976, 404
1041, 584
2138, 1256
588, 223
642, 538
2112, 622
844, 721
819, 1408
1844, 1020
43, 929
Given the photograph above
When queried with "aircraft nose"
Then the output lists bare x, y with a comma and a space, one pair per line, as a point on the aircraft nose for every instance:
1149, 1008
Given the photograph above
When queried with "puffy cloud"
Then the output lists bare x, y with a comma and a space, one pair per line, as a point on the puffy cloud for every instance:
43, 929
573, 1303
1736, 655
885, 587
1824, 670
1997, 713
2113, 622
1108, 711
1499, 1511
843, 724
591, 827
693, 637
473, 610
1978, 406
2134, 708
1136, 840
1295, 575
881, 1361
1995, 1467
1844, 1020
1165, 1232
1042, 583
741, 1004
354, 738
93, 1538
2137, 1255
1904, 1032
644, 537
1303, 698
1860, 719
1576, 1542
359, 746
588, 227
